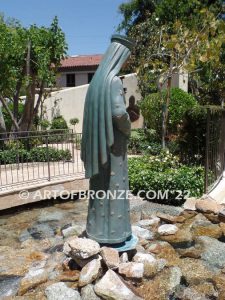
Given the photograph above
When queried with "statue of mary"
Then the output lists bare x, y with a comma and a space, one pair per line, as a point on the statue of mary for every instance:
106, 129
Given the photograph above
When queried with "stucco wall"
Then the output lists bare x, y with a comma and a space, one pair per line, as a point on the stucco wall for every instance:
179, 79
69, 102
130, 83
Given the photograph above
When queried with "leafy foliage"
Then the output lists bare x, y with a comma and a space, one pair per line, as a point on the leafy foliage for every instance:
59, 123
143, 141
38, 154
7, 118
165, 173
152, 107
74, 121
29, 60
173, 35
45, 124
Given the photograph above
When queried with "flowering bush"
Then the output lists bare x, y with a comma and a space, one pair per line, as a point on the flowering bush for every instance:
164, 172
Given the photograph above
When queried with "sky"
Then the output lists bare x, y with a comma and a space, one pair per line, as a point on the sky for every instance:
88, 24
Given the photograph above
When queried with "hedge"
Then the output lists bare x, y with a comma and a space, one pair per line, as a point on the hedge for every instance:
39, 154
164, 174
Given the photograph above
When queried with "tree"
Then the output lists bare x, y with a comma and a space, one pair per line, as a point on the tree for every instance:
173, 36
135, 12
74, 122
29, 60
2, 122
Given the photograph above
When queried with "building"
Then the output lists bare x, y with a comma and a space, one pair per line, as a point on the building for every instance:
77, 70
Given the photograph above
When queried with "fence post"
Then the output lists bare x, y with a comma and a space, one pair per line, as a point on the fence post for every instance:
207, 151
48, 159
72, 139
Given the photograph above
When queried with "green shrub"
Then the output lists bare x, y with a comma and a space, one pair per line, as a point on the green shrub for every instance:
45, 124
74, 121
59, 123
14, 156
151, 109
42, 154
39, 154
163, 173
137, 142
190, 142
143, 141
59, 130
180, 102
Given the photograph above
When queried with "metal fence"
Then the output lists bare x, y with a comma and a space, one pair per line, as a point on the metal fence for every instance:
35, 157
215, 147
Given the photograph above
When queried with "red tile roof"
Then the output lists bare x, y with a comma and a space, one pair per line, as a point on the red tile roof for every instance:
81, 61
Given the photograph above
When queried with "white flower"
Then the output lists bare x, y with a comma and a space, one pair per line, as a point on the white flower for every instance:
157, 19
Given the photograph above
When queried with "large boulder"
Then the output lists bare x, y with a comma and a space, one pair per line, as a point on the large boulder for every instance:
145, 223
142, 233
111, 287
133, 270
110, 257
151, 265
88, 293
190, 203
167, 229
213, 251
74, 230
82, 248
59, 291
170, 219
207, 206
90, 272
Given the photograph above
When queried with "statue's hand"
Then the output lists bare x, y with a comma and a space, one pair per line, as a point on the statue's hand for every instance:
119, 114
123, 123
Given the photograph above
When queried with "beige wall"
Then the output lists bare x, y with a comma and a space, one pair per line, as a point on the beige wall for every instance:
131, 84
69, 102
179, 79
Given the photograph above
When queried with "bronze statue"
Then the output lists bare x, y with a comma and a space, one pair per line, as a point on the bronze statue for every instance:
106, 129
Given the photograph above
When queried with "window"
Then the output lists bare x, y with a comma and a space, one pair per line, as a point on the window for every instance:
70, 80
90, 76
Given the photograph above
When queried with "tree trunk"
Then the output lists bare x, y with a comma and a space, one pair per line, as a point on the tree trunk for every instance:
166, 108
28, 113
9, 112
2, 122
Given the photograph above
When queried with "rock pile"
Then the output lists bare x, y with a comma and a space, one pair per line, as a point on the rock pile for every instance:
178, 256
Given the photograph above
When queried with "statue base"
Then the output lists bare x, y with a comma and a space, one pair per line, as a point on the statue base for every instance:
129, 244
